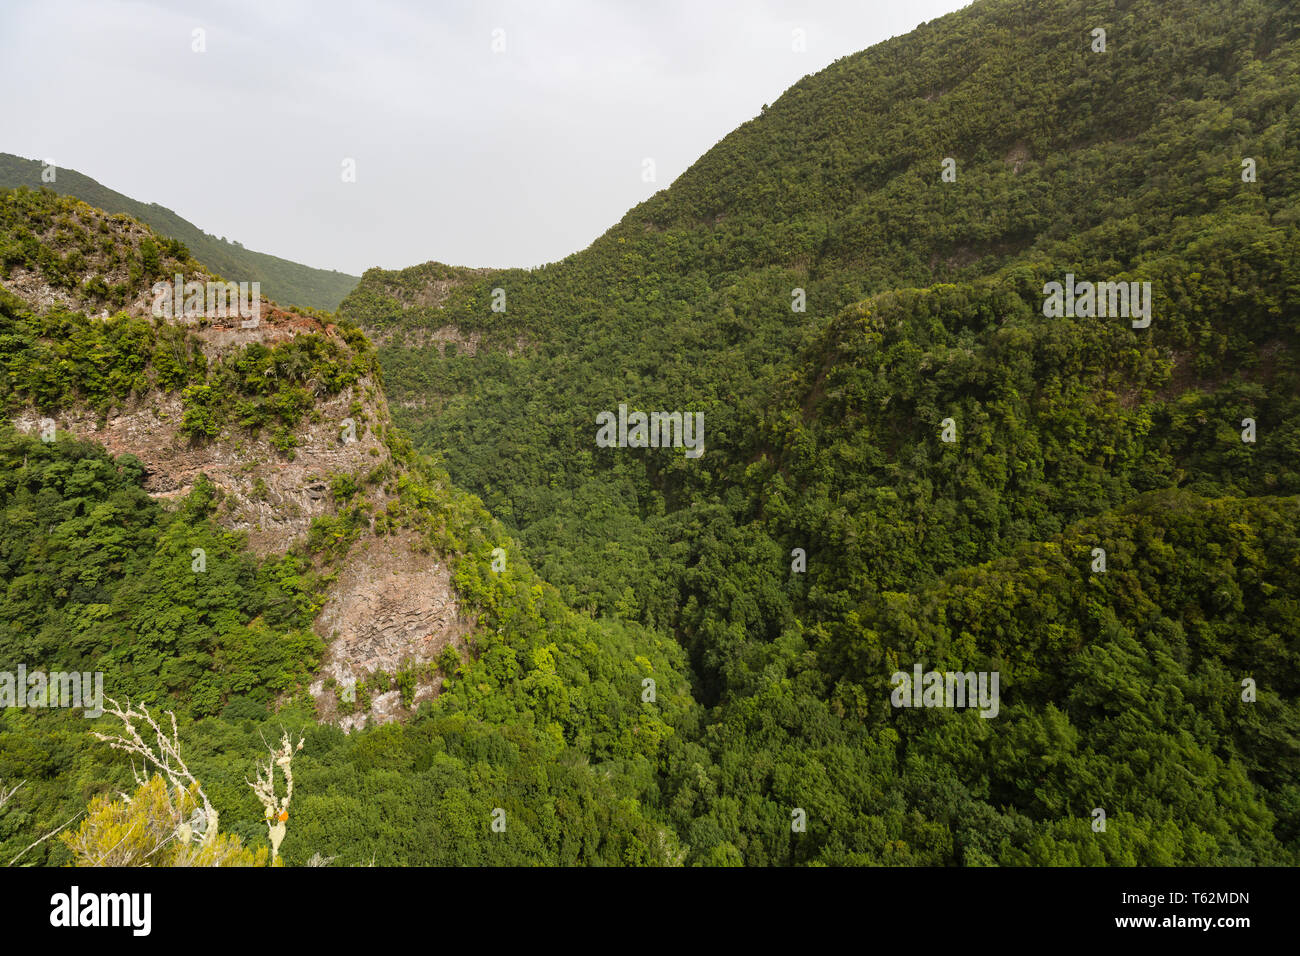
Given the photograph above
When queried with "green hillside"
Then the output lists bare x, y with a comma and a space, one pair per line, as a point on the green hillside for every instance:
924, 468
824, 428
289, 282
543, 720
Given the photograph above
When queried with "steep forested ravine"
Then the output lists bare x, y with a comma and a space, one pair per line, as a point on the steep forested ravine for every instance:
624, 653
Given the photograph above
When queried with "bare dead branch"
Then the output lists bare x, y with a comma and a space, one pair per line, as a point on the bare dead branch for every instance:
164, 753
277, 808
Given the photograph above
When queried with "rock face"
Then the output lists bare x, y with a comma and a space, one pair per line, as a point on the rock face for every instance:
266, 494
391, 609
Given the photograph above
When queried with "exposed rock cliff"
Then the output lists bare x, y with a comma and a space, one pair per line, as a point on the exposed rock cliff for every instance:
390, 608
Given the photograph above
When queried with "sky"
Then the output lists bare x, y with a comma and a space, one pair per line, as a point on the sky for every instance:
480, 133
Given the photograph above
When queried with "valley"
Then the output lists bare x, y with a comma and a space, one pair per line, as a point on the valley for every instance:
461, 535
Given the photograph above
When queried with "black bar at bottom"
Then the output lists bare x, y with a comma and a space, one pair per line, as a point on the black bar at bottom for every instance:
339, 905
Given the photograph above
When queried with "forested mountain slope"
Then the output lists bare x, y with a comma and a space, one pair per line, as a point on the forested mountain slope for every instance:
281, 279
1125, 164
220, 519
639, 655
1169, 158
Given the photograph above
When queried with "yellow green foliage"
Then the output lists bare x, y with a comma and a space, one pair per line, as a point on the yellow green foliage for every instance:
154, 828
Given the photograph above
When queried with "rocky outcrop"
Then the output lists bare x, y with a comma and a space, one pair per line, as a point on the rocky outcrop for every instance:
391, 609
264, 492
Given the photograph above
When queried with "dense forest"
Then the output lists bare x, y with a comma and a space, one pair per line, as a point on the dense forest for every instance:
908, 464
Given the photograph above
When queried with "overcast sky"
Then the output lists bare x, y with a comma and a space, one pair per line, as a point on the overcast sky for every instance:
463, 154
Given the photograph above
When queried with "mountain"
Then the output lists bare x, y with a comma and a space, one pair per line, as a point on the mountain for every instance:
281, 279
989, 554
853, 290
1126, 164
215, 513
